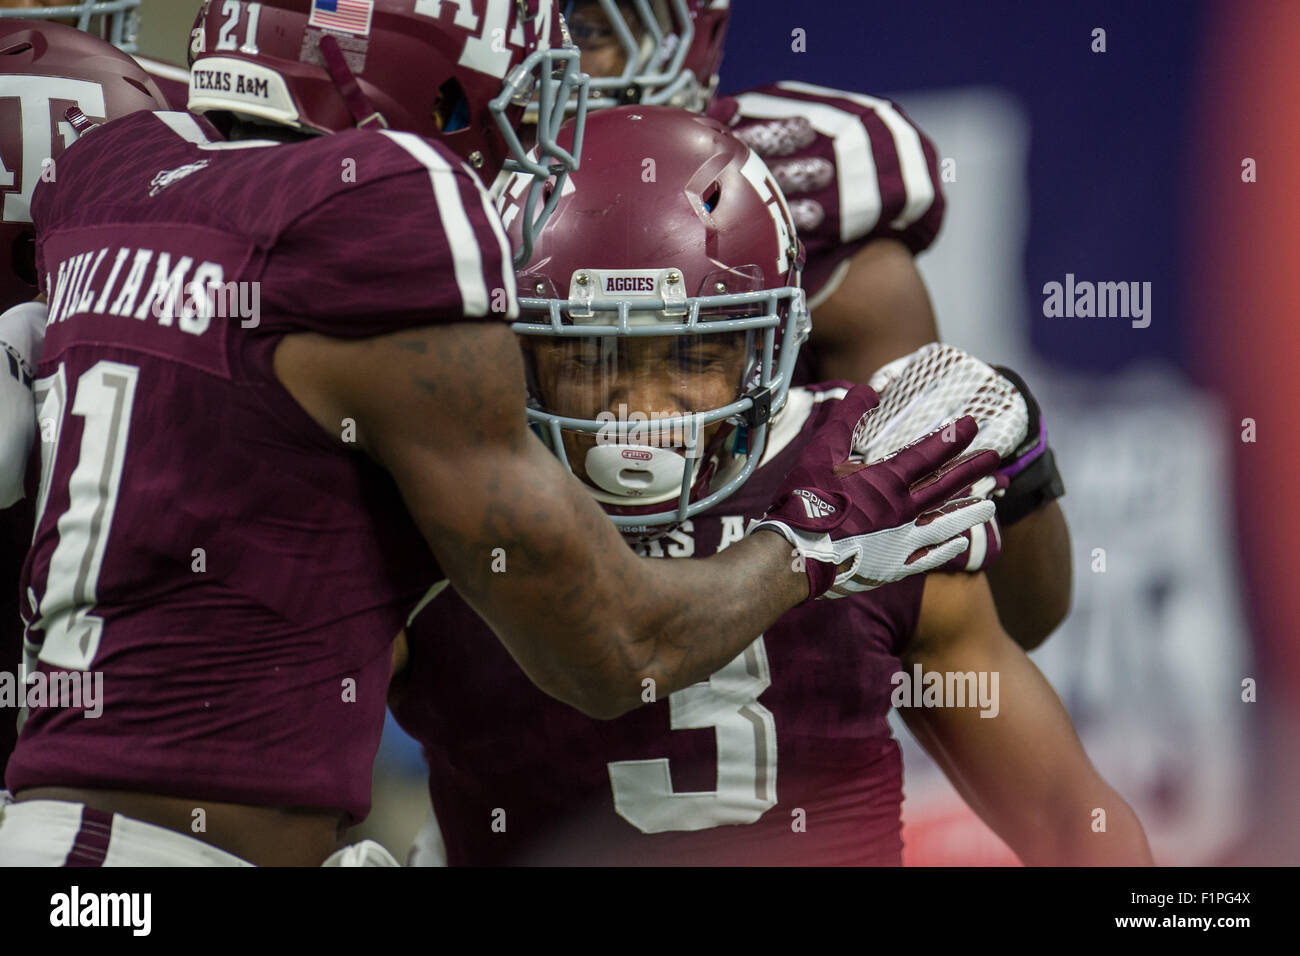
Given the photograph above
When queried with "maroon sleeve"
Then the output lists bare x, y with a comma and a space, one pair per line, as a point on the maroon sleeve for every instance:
853, 168
416, 247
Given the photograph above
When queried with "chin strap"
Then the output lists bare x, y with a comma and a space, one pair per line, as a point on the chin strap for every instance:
79, 121
345, 81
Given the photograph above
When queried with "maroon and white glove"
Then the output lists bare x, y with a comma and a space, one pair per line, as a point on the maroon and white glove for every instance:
858, 526
985, 539
937, 383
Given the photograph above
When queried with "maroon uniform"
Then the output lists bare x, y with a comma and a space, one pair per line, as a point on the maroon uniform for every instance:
853, 169
234, 572
45, 68
783, 756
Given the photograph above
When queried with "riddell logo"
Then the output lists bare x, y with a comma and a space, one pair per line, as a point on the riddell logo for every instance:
637, 455
629, 284
815, 506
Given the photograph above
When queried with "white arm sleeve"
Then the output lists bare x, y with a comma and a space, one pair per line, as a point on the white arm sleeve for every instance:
22, 331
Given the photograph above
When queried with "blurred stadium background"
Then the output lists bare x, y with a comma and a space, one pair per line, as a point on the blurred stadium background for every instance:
1117, 166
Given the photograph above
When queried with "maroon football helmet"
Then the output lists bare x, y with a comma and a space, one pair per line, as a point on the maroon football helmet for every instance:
45, 70
458, 71
663, 314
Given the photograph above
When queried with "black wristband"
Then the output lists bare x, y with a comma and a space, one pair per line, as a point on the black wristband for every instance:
1034, 487
1040, 482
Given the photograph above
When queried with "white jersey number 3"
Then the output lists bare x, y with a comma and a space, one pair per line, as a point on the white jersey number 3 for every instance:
746, 737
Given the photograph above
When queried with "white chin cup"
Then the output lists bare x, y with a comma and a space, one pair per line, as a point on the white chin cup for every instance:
637, 471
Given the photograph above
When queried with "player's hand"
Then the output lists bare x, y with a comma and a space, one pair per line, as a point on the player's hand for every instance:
856, 525
986, 539
937, 383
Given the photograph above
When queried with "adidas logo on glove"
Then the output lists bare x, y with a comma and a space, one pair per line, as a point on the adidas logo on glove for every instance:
815, 506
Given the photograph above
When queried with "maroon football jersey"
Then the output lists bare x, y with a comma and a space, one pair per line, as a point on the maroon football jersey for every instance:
853, 168
235, 573
783, 757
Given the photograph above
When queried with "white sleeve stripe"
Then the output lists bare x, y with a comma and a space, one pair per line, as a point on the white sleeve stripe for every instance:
917, 185
185, 126
860, 203
830, 395
466, 261
507, 258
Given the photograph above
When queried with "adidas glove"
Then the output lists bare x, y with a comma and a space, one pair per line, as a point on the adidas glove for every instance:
859, 525
937, 383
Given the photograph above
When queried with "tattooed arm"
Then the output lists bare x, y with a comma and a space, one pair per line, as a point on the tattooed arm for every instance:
442, 409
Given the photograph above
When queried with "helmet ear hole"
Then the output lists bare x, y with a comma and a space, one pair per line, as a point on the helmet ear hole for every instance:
712, 196
451, 111
139, 86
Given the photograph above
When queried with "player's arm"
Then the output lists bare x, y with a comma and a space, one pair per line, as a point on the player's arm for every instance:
1024, 771
442, 409
879, 312
1032, 581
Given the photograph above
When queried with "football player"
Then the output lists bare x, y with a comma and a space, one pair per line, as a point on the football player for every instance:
44, 69
865, 192
642, 328
283, 399
864, 189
